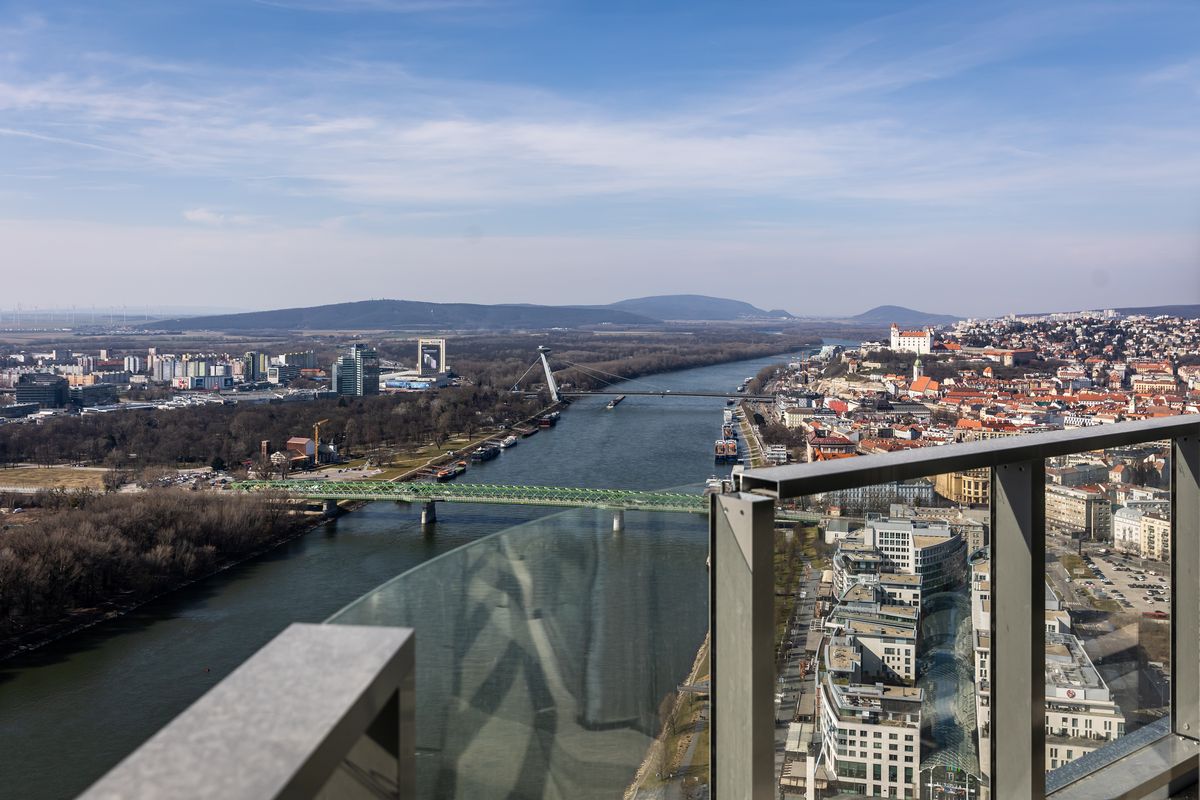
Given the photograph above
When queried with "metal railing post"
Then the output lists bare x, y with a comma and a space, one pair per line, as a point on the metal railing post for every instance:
1185, 586
742, 658
1018, 630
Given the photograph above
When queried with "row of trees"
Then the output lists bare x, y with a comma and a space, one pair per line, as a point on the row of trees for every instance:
228, 435
499, 360
82, 550
231, 434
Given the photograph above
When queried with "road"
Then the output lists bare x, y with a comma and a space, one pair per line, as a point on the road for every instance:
790, 682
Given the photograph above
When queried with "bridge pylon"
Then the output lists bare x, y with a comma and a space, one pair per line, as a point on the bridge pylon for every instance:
428, 513
550, 383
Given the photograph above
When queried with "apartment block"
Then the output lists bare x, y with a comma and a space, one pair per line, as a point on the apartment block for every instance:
871, 733
1079, 511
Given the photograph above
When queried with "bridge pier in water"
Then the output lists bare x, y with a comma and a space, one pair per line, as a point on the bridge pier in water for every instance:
618, 520
428, 513
331, 509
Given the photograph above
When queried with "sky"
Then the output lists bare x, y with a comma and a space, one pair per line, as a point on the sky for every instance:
965, 158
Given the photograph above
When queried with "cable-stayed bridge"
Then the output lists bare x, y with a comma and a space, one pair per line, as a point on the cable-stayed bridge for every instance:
610, 379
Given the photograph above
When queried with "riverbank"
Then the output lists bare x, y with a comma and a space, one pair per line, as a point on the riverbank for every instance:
676, 763
465, 447
81, 618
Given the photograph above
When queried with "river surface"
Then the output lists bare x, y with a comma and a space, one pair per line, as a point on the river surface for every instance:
70, 710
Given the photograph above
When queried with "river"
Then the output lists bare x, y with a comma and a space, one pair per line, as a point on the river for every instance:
72, 709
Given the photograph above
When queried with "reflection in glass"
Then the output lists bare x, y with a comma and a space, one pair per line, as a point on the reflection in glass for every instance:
891, 701
1107, 620
550, 655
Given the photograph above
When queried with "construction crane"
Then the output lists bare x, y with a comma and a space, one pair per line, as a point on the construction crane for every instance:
317, 441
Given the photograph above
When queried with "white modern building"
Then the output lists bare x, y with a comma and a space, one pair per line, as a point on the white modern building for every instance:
871, 733
901, 589
981, 624
928, 548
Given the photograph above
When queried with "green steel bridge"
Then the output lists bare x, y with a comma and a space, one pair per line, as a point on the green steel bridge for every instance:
411, 492
617, 500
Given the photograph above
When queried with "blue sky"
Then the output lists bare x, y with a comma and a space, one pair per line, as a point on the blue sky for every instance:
820, 157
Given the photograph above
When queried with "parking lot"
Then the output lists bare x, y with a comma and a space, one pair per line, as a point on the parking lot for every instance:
1129, 582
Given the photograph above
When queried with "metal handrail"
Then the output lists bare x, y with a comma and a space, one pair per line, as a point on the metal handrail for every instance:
798, 480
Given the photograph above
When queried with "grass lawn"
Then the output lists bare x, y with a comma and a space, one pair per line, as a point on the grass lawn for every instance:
400, 463
1103, 605
1075, 566
53, 478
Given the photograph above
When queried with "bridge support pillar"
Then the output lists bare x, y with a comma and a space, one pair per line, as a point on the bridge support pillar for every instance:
428, 513
331, 509
618, 520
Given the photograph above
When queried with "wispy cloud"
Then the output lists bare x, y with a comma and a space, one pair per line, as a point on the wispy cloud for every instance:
207, 216
819, 127
883, 126
1185, 73
380, 6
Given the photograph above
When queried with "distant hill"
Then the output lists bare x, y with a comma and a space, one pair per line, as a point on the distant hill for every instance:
886, 315
1185, 311
694, 307
391, 314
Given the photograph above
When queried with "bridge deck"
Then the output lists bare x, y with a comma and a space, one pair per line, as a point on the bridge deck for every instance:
560, 496
760, 398
556, 496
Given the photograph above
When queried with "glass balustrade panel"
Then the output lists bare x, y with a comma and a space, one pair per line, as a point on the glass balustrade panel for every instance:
563, 658
883, 640
1108, 601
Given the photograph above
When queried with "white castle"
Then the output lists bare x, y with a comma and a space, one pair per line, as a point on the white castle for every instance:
919, 342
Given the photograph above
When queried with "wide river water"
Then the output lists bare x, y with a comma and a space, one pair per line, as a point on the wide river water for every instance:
70, 710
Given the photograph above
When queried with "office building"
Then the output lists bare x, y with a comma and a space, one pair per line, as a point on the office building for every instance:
356, 373
282, 374
431, 356
969, 488
1081, 715
255, 365
97, 394
45, 389
928, 548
